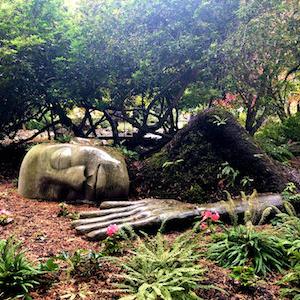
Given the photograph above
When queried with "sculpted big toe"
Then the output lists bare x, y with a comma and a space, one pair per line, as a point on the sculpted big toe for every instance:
68, 172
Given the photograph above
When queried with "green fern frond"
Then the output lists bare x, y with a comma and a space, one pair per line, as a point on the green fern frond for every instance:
265, 214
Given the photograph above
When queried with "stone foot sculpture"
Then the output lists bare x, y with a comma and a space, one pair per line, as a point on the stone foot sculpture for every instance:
151, 213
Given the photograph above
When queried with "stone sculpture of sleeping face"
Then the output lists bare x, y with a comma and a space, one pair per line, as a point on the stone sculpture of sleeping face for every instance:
68, 172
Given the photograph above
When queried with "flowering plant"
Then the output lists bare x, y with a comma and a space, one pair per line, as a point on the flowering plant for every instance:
207, 219
112, 244
5, 217
116, 236
112, 229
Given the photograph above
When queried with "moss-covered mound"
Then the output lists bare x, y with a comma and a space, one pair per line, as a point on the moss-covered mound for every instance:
212, 153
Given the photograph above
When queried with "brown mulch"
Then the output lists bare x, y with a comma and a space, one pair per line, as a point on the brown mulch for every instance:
44, 235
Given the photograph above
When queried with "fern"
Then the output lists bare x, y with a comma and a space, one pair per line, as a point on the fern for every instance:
252, 215
162, 270
291, 284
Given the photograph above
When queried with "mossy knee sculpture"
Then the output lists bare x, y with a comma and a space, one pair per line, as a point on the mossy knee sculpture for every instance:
67, 172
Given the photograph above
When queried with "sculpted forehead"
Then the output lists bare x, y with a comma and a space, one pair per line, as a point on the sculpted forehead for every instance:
97, 153
64, 156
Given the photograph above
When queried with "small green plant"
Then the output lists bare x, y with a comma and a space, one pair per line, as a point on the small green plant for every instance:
64, 138
169, 164
245, 275
219, 121
132, 155
18, 275
244, 246
291, 283
246, 181
82, 262
64, 212
291, 194
252, 216
228, 173
158, 269
287, 224
116, 237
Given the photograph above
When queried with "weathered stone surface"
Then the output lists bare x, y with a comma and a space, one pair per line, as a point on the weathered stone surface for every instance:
152, 213
67, 172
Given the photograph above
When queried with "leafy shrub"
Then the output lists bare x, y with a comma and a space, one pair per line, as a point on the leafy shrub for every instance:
291, 127
273, 141
64, 138
82, 262
132, 155
291, 194
245, 275
287, 226
244, 246
17, 274
64, 212
291, 283
162, 270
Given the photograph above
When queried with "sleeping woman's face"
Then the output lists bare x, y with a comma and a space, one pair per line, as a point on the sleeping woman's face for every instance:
73, 172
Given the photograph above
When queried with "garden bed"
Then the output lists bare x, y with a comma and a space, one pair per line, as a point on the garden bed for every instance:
44, 234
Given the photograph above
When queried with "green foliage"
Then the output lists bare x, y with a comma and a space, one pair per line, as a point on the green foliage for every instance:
82, 262
291, 283
287, 227
246, 181
273, 141
194, 193
244, 246
169, 164
64, 138
132, 155
228, 173
219, 121
245, 275
291, 127
116, 243
251, 216
18, 275
162, 270
256, 56
64, 212
291, 194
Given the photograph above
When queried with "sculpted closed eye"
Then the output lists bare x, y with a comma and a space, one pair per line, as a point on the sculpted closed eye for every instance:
61, 159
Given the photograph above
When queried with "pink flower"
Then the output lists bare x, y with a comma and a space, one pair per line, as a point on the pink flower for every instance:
112, 229
5, 212
206, 215
215, 217
203, 226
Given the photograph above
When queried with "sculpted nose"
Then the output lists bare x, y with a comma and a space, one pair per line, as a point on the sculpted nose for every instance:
100, 182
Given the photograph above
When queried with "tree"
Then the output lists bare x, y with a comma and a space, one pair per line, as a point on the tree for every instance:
133, 60
259, 56
32, 42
